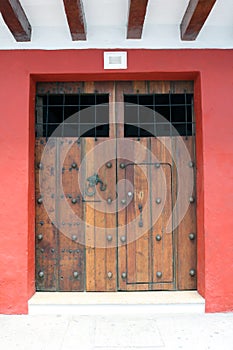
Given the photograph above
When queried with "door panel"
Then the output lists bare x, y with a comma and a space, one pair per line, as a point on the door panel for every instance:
147, 255
60, 255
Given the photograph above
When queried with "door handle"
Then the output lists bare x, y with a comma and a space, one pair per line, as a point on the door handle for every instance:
92, 183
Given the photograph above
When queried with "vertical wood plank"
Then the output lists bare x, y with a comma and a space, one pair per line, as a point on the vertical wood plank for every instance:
161, 190
90, 221
121, 88
71, 236
123, 245
131, 228
142, 197
110, 217
100, 223
46, 232
90, 262
186, 248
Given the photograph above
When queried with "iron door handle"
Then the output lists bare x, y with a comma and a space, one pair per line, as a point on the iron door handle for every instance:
92, 183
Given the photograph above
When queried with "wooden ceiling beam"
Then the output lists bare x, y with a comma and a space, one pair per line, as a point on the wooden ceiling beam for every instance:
136, 17
76, 19
16, 19
194, 18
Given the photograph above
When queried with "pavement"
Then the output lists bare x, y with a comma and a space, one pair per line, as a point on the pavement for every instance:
117, 332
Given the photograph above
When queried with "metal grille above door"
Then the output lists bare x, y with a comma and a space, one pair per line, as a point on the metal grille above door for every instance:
111, 186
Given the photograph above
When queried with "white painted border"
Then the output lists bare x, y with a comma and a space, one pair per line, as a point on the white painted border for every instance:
116, 54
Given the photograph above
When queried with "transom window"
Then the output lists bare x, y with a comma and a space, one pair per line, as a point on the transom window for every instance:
87, 115
72, 115
149, 115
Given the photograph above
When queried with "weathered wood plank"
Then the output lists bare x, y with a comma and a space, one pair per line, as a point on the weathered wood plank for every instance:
194, 18
76, 19
16, 19
46, 232
71, 235
161, 190
90, 222
136, 17
186, 247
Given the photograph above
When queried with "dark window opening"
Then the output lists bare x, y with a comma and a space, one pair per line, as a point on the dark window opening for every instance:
158, 115
72, 115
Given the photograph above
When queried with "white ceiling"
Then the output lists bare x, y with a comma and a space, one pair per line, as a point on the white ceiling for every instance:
107, 22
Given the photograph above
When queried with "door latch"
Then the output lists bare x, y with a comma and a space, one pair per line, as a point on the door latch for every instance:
92, 183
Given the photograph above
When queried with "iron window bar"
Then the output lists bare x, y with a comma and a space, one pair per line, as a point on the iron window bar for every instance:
56, 109
177, 109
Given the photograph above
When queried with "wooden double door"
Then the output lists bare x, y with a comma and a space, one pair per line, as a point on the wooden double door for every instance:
115, 205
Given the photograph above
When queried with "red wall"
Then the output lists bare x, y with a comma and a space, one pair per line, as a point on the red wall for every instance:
213, 75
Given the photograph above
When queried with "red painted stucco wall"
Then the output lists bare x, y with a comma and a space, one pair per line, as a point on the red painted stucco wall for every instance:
212, 71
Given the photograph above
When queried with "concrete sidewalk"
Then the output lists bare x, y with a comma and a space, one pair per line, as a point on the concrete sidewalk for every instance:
108, 332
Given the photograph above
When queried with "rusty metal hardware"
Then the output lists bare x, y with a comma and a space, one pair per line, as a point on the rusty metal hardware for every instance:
109, 274
191, 199
74, 237
109, 200
40, 166
140, 224
192, 236
109, 165
124, 275
92, 183
74, 165
192, 272
157, 165
158, 238
191, 164
75, 274
158, 200
109, 238
159, 274
40, 237
123, 239
123, 201
40, 200
41, 274
75, 200
122, 165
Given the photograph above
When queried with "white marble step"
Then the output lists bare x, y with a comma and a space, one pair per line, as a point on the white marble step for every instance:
97, 303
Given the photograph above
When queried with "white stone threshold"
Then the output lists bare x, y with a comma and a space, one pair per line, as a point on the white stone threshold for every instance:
98, 303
